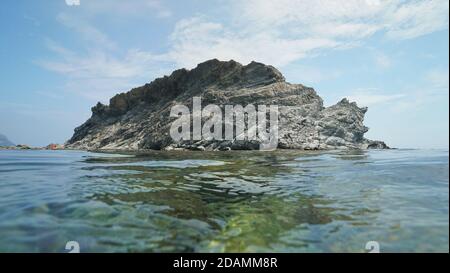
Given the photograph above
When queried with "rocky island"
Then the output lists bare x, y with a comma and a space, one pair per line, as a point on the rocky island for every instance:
140, 118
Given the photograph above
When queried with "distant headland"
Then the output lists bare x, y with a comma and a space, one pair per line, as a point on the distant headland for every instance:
5, 142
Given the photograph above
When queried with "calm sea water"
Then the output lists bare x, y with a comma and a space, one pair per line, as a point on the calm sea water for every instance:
283, 201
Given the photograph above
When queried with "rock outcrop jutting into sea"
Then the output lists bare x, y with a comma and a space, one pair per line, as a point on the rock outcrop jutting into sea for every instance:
140, 118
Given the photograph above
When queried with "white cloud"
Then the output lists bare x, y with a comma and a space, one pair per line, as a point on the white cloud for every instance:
33, 20
409, 98
98, 75
311, 75
382, 60
316, 17
371, 96
98, 64
438, 78
196, 40
101, 69
116, 8
274, 32
412, 19
73, 2
90, 34
161, 10
352, 19
284, 31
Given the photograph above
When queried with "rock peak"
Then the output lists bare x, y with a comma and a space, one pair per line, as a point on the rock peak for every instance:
253, 73
209, 74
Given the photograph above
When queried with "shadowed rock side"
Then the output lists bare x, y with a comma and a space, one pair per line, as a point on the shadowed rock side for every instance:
140, 118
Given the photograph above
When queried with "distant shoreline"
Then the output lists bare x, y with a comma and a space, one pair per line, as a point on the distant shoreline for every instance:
27, 147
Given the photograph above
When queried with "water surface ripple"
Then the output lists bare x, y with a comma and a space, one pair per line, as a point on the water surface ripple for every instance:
282, 201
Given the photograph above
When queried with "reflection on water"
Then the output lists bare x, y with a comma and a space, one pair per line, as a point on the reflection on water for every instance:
283, 201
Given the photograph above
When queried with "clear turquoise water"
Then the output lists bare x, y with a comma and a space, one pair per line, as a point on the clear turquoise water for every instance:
283, 201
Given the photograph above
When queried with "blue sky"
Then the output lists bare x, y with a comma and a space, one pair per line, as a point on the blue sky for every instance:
58, 60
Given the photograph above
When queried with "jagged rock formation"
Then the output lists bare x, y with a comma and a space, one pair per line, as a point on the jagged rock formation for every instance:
140, 118
5, 142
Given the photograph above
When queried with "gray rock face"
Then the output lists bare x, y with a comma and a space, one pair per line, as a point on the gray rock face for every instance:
140, 118
5, 142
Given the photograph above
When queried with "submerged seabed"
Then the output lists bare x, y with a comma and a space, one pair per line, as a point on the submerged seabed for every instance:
282, 201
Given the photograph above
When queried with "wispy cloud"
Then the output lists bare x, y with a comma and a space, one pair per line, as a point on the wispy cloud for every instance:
373, 96
275, 32
73, 2
434, 88
408, 20
282, 32
98, 74
100, 69
348, 19
32, 20
156, 8
312, 74
382, 60
438, 79
197, 39
87, 32
389, 102
96, 63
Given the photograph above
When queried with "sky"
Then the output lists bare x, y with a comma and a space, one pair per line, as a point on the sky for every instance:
59, 57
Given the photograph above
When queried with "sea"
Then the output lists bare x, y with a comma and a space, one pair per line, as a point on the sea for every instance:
236, 201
